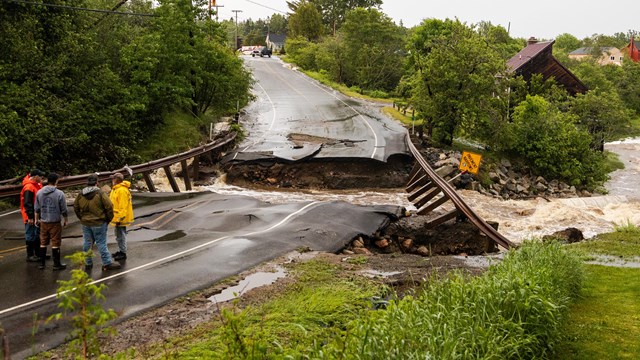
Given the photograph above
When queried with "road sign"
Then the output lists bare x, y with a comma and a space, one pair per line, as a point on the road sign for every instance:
470, 162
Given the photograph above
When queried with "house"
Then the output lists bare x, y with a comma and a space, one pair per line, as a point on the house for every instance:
537, 58
609, 55
633, 50
275, 42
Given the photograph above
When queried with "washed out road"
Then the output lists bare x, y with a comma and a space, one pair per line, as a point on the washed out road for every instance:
179, 243
294, 118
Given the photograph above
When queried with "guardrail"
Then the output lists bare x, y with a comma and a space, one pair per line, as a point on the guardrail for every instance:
425, 185
144, 169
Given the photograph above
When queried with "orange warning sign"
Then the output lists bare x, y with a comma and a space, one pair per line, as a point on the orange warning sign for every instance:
470, 162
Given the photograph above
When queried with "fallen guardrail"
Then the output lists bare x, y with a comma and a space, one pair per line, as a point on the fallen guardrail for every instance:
428, 191
144, 169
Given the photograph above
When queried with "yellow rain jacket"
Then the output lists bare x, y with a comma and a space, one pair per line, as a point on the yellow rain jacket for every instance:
122, 207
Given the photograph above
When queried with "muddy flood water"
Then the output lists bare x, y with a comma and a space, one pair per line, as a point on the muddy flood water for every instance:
518, 219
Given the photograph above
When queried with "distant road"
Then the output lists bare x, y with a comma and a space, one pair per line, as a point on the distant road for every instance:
295, 117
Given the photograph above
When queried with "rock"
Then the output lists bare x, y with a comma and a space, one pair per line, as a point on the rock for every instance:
406, 244
423, 251
358, 243
568, 235
347, 252
361, 251
382, 243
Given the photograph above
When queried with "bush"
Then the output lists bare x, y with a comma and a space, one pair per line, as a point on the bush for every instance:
549, 141
513, 311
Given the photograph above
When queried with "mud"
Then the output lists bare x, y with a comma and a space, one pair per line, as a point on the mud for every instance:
325, 174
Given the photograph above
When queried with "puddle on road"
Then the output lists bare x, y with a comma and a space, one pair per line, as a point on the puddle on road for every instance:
614, 261
252, 281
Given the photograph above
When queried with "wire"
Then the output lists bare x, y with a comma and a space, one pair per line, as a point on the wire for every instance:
78, 8
265, 6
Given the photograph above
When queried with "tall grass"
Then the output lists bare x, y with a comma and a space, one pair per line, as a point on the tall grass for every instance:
513, 311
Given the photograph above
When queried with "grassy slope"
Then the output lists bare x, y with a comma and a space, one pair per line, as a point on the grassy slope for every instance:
605, 321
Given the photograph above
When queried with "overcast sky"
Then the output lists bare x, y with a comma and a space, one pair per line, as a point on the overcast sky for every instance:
542, 18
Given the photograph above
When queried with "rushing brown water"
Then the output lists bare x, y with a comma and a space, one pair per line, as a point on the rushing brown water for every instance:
518, 219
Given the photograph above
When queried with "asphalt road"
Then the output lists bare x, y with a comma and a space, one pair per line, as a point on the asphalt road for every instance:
294, 117
178, 244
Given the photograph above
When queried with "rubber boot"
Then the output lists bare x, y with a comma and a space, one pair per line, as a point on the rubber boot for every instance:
33, 254
57, 265
43, 251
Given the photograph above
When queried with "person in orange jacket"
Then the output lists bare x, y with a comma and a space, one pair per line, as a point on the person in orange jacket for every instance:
31, 184
122, 213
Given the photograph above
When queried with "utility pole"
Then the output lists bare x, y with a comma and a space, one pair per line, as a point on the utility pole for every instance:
236, 44
217, 11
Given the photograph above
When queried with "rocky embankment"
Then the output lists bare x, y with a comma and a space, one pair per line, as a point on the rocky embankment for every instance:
502, 180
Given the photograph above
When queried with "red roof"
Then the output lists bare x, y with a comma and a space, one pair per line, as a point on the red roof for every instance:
525, 55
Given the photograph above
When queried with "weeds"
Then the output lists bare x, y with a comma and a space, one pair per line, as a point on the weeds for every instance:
514, 310
80, 299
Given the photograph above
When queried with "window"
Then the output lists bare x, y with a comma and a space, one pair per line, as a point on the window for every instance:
613, 58
620, 58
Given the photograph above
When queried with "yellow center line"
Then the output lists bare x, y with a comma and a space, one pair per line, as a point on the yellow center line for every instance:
12, 250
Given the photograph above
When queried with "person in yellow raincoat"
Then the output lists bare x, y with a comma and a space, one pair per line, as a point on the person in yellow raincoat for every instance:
122, 213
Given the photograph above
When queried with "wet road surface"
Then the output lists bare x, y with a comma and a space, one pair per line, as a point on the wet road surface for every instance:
179, 243
294, 117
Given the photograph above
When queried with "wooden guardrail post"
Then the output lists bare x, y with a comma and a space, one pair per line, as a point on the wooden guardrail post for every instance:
185, 175
196, 167
147, 179
172, 180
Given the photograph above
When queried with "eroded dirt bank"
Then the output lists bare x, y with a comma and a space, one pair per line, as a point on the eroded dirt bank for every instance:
321, 174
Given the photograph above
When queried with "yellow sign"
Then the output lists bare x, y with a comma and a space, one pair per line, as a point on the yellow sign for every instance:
470, 162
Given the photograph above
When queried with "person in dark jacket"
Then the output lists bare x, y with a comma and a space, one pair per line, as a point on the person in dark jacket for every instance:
51, 216
31, 184
95, 211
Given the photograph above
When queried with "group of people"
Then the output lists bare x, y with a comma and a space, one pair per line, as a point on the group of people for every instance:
45, 213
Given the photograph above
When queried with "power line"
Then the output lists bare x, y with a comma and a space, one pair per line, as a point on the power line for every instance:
79, 8
265, 6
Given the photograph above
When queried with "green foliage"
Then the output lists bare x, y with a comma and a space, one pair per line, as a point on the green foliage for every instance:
513, 311
302, 52
455, 77
79, 91
567, 43
79, 298
549, 142
372, 46
604, 321
305, 22
602, 114
624, 242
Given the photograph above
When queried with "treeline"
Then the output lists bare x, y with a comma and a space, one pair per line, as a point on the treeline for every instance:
82, 90
454, 75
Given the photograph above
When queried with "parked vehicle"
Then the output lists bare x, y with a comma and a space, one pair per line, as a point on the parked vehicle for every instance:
265, 52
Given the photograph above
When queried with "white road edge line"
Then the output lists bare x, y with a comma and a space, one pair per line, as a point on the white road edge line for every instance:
17, 307
9, 213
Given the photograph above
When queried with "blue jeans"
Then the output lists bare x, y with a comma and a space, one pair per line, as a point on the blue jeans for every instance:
31, 233
97, 235
121, 238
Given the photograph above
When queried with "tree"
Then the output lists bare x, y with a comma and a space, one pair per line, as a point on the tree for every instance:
306, 22
278, 24
567, 43
602, 114
549, 142
373, 45
456, 76
333, 12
